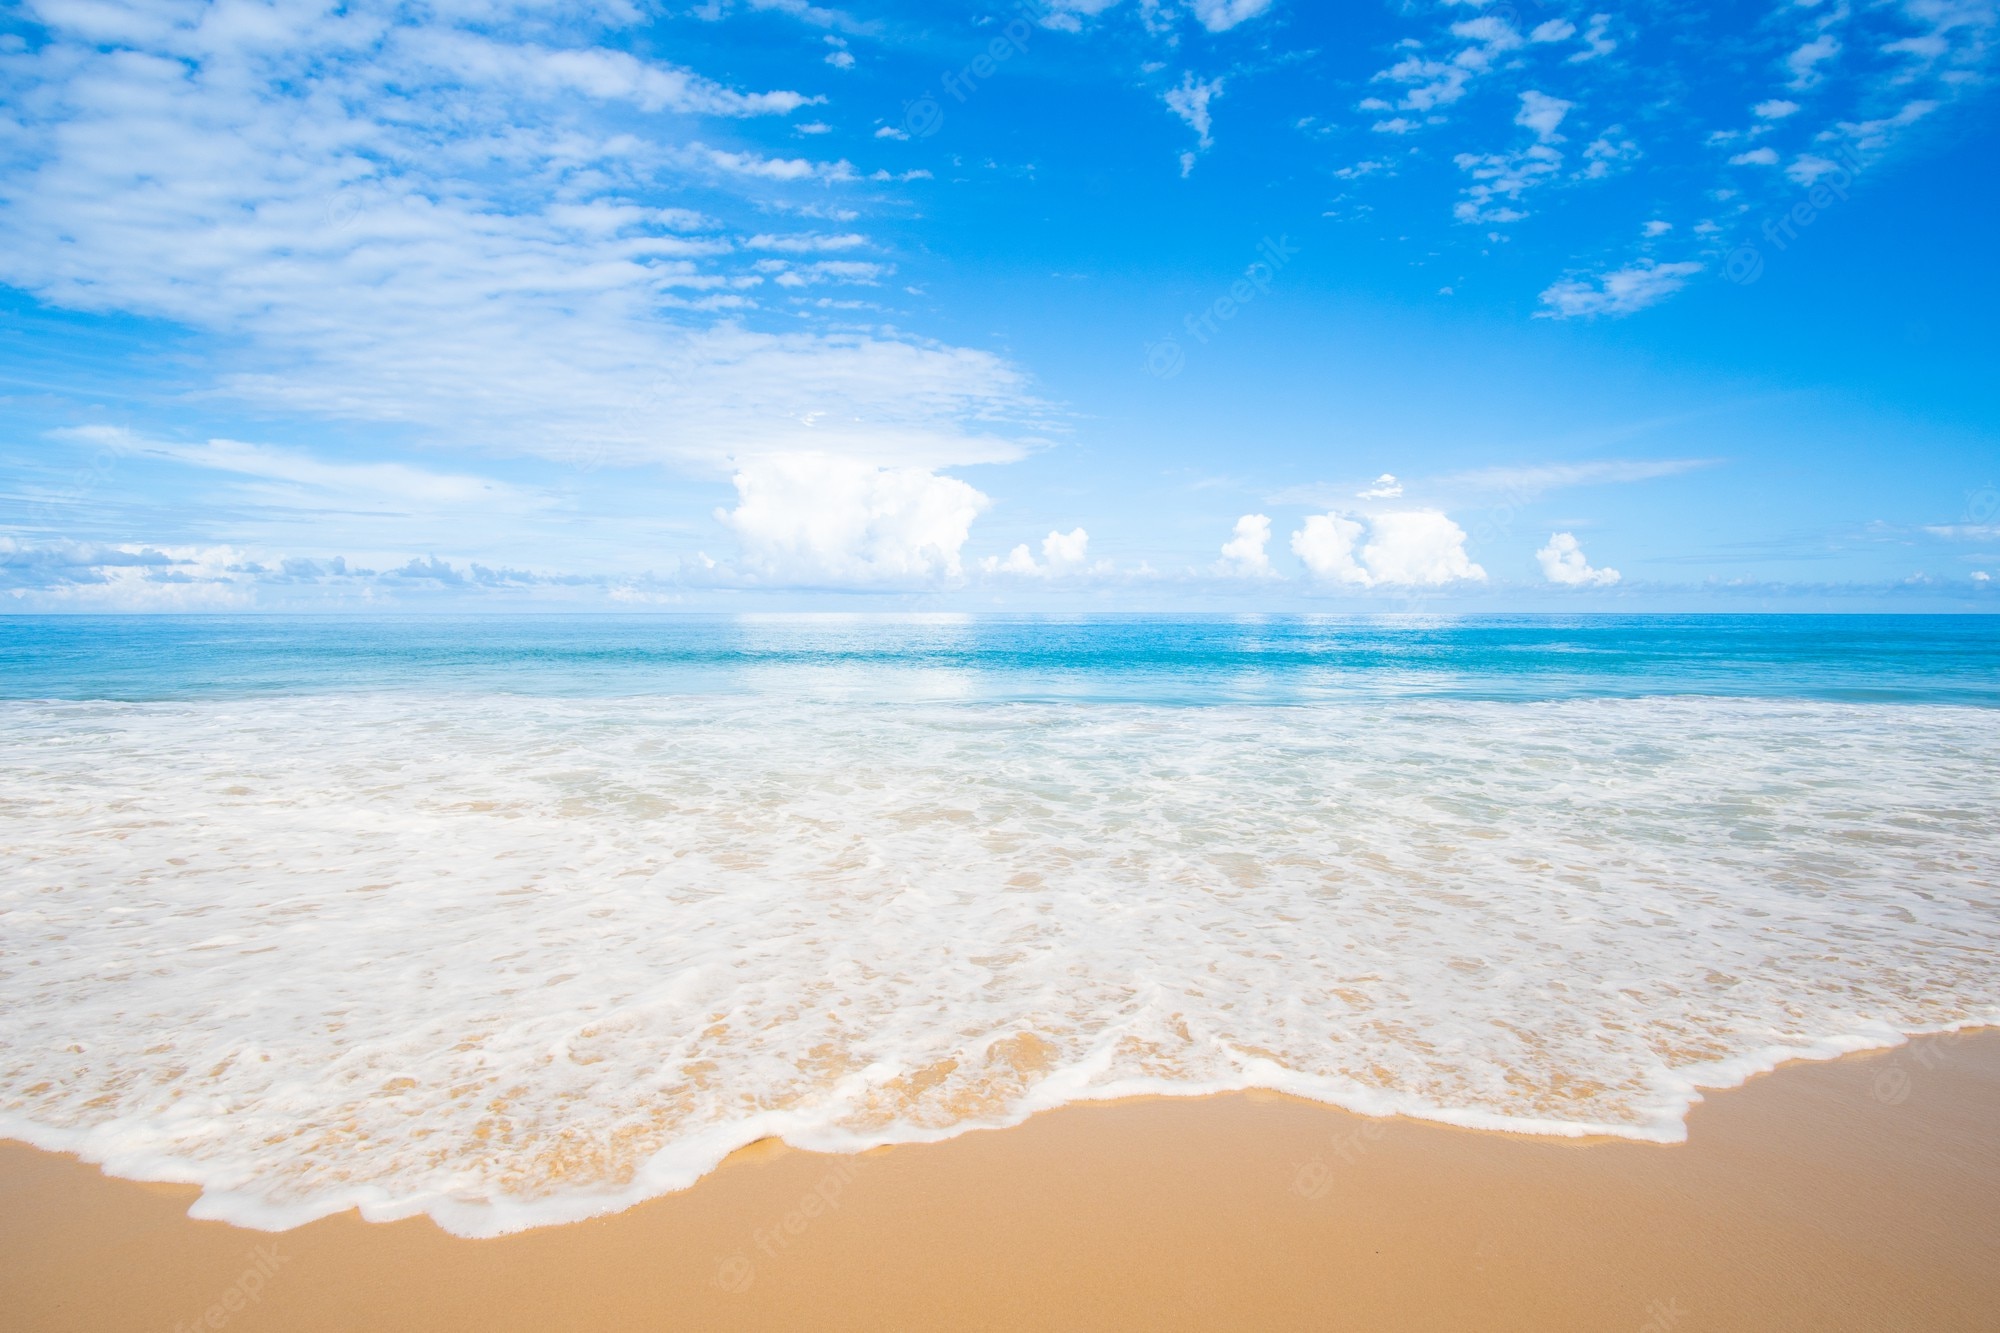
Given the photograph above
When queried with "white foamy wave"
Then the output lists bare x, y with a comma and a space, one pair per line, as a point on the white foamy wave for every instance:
510, 961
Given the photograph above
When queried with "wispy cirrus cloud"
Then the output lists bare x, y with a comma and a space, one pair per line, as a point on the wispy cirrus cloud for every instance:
1531, 480
506, 263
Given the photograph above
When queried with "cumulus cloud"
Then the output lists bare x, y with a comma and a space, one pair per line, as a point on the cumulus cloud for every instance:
1384, 487
1620, 292
1326, 544
1243, 554
1062, 553
818, 519
125, 577
1563, 562
1415, 547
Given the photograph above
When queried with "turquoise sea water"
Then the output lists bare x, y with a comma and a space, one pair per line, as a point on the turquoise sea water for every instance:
1913, 659
512, 922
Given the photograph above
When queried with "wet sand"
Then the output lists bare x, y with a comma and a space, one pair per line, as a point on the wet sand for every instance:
1861, 1193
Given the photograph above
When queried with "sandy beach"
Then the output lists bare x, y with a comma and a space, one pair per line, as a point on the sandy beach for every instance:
1852, 1194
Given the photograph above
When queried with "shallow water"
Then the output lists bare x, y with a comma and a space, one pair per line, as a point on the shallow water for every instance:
519, 921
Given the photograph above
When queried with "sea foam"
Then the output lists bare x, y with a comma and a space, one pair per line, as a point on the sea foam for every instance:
509, 960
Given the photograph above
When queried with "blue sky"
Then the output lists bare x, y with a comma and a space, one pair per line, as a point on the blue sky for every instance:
1120, 304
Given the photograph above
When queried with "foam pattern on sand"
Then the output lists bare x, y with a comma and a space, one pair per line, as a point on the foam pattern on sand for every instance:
512, 960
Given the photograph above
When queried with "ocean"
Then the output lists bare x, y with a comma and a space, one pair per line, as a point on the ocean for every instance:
518, 921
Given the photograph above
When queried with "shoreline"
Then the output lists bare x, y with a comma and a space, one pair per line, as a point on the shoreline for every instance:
570, 1210
1853, 1192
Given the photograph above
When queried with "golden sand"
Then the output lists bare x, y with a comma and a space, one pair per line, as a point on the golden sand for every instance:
1856, 1194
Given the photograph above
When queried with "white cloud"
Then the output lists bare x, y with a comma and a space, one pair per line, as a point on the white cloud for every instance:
777, 168
816, 519
1506, 176
1657, 227
1619, 292
1756, 157
805, 243
1066, 550
1067, 15
1807, 168
1554, 30
1563, 562
1494, 35
1603, 152
1775, 109
1416, 547
1062, 553
1872, 136
1326, 544
1596, 42
370, 485
1384, 487
1243, 554
1542, 114
1432, 83
1503, 176
1804, 63
1190, 102
1222, 15
505, 263
126, 577
1517, 484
